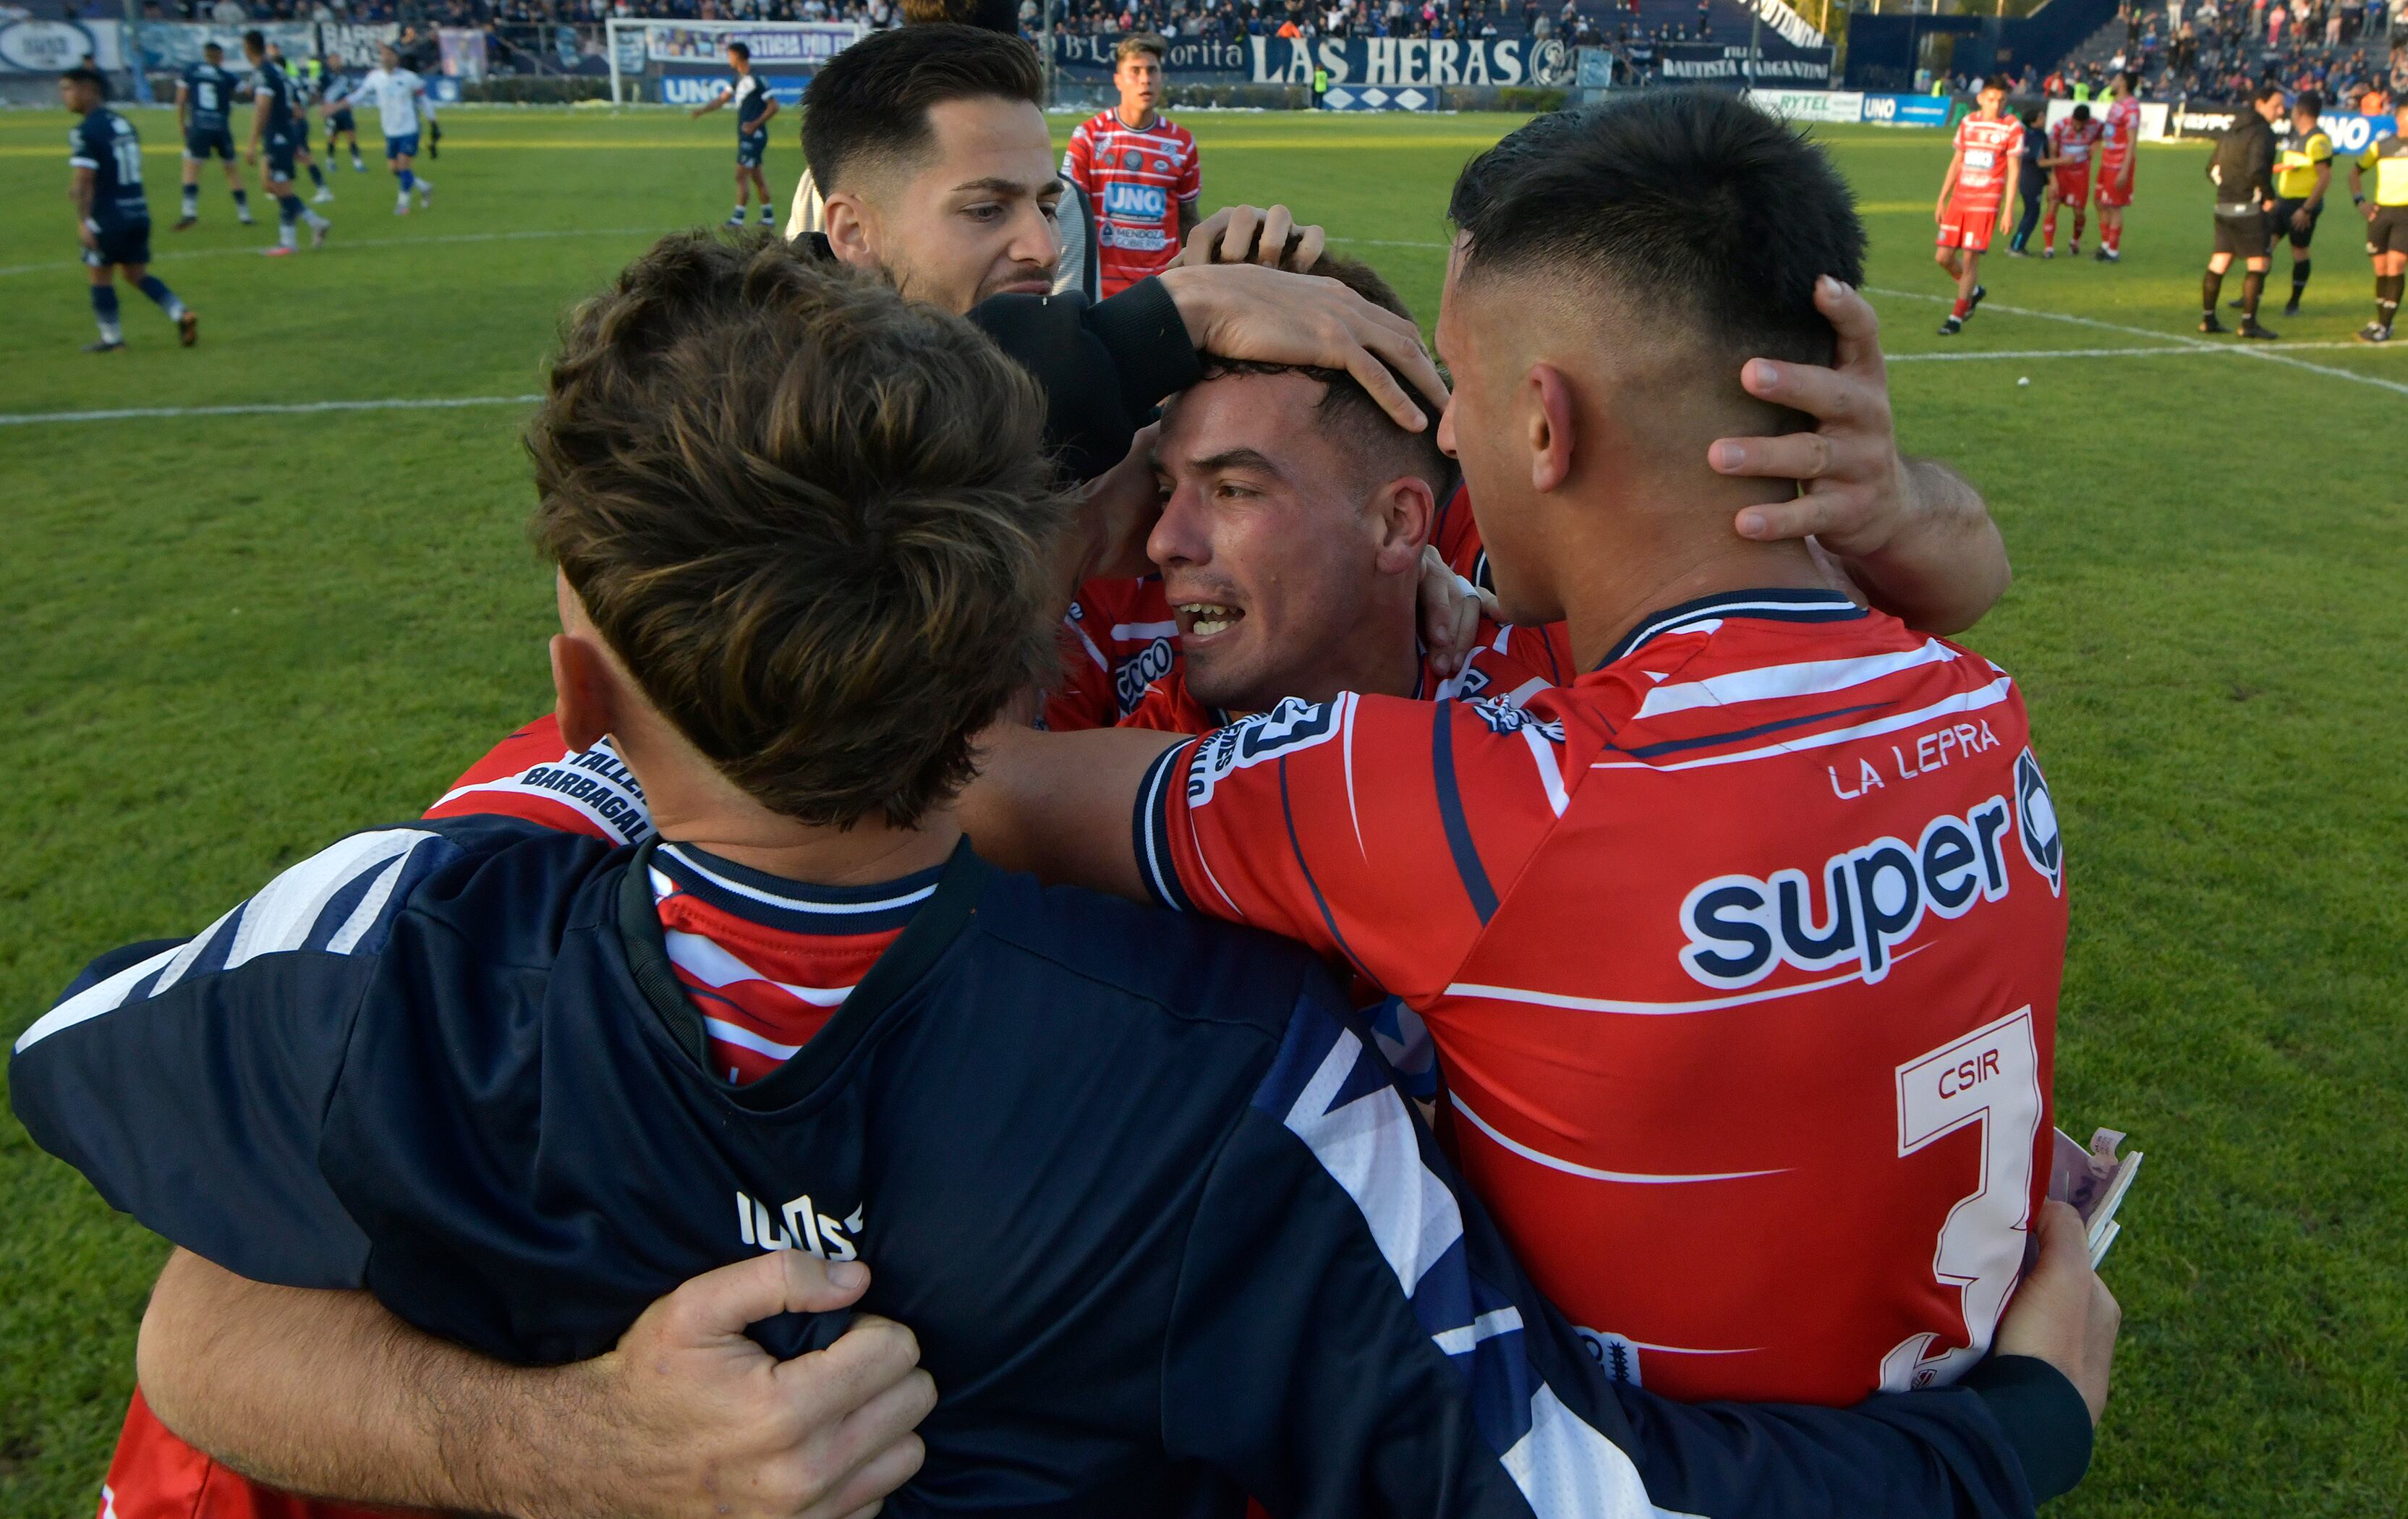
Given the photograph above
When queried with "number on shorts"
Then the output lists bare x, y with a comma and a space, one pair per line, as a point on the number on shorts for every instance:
1991, 1079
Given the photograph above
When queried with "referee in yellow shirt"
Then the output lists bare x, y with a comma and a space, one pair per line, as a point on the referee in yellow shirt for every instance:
2303, 173
2386, 221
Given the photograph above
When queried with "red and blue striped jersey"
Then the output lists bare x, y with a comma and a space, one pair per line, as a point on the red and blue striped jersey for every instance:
1741, 955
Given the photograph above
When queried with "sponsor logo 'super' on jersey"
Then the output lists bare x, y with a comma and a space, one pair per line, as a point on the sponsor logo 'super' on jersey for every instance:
1990, 149
1741, 955
1136, 180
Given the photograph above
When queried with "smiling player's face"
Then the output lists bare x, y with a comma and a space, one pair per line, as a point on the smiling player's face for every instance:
976, 218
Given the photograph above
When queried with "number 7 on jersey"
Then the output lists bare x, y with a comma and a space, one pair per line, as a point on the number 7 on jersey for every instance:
1990, 1078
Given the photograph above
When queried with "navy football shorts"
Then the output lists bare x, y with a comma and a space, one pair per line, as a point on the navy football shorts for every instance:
121, 242
210, 143
340, 121
404, 145
750, 146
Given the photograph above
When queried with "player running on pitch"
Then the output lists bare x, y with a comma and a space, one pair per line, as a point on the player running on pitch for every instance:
400, 96
112, 214
2117, 132
334, 109
204, 94
754, 106
1138, 170
2070, 142
2386, 221
2303, 175
271, 126
305, 100
1980, 180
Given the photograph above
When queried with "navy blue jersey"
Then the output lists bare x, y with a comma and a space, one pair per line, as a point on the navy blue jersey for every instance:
105, 143
1167, 1233
208, 94
270, 81
751, 103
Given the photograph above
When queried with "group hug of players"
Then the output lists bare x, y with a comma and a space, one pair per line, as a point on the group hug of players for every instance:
105, 160
2263, 191
1723, 909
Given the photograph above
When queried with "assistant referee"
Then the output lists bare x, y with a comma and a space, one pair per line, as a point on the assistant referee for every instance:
2386, 221
2303, 173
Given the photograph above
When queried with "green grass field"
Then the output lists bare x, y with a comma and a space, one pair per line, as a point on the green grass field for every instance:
225, 639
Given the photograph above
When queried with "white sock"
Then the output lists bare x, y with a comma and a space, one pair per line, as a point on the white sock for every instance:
286, 236
111, 332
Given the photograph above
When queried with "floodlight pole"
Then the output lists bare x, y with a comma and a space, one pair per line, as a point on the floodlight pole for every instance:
1755, 41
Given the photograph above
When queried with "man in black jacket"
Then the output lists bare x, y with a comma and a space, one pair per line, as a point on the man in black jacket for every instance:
2242, 170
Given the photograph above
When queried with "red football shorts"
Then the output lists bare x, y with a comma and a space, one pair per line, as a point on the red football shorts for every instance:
2114, 190
154, 1475
2073, 189
1967, 227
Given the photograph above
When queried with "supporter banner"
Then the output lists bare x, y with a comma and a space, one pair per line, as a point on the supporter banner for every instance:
1395, 62
1812, 104
464, 52
810, 43
1091, 58
169, 46
1375, 98
1907, 110
30, 45
1695, 62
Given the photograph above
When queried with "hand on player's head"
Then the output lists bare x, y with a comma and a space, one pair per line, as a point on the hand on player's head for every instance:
1247, 235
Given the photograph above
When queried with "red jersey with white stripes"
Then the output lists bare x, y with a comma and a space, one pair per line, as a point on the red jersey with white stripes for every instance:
2119, 128
1117, 636
1136, 179
1741, 955
2072, 141
1990, 148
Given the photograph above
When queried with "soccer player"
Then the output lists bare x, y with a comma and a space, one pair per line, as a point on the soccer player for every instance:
2386, 221
754, 106
400, 96
1138, 170
2243, 171
271, 126
306, 96
2119, 132
2068, 154
511, 1080
334, 109
205, 94
1981, 178
112, 214
2303, 175
1740, 952
2029, 183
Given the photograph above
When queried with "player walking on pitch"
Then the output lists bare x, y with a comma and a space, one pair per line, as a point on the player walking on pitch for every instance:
334, 109
112, 214
2068, 154
754, 106
2386, 221
2117, 133
400, 96
271, 126
305, 100
204, 94
2302, 175
1980, 180
2243, 171
1138, 170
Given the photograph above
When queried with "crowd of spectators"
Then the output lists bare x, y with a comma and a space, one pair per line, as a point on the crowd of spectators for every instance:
2220, 48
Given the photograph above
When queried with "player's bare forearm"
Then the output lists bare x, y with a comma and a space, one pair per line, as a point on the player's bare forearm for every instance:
80, 194
1187, 221
770, 114
327, 1393
1059, 804
1946, 566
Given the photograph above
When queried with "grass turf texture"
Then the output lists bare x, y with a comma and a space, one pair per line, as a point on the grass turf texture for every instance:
230, 640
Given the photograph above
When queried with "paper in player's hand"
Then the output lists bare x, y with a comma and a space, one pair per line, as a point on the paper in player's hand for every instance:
2094, 1181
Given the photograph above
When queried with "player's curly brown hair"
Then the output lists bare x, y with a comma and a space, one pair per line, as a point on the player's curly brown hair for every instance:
812, 517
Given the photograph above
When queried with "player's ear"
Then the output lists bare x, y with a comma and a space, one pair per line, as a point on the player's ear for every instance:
1546, 398
846, 222
1400, 515
582, 689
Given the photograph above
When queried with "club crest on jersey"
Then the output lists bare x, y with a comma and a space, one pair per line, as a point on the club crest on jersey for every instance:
1131, 158
1291, 725
1741, 928
1502, 716
798, 1225
2036, 823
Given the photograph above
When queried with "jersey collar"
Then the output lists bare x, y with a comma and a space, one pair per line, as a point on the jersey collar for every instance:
1777, 606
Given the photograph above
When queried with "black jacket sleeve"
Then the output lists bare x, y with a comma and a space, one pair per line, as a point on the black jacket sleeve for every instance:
1350, 1335
1105, 365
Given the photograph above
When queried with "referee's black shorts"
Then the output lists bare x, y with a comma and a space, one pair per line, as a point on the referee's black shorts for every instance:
2289, 207
2388, 232
2246, 236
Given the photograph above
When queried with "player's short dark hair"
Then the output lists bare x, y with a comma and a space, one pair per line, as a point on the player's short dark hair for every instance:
255, 38
813, 518
2082, 111
212, 46
2308, 101
1346, 410
2266, 90
869, 104
86, 74
986, 15
1688, 201
1138, 42
740, 50
2131, 78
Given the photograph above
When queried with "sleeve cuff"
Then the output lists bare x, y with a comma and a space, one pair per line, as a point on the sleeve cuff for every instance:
1149, 343
2045, 1418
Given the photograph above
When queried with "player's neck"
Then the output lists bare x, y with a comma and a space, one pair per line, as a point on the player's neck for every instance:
694, 804
1121, 114
1643, 574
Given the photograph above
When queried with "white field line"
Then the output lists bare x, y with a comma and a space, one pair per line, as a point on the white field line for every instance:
2201, 351
29, 419
339, 243
2194, 344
